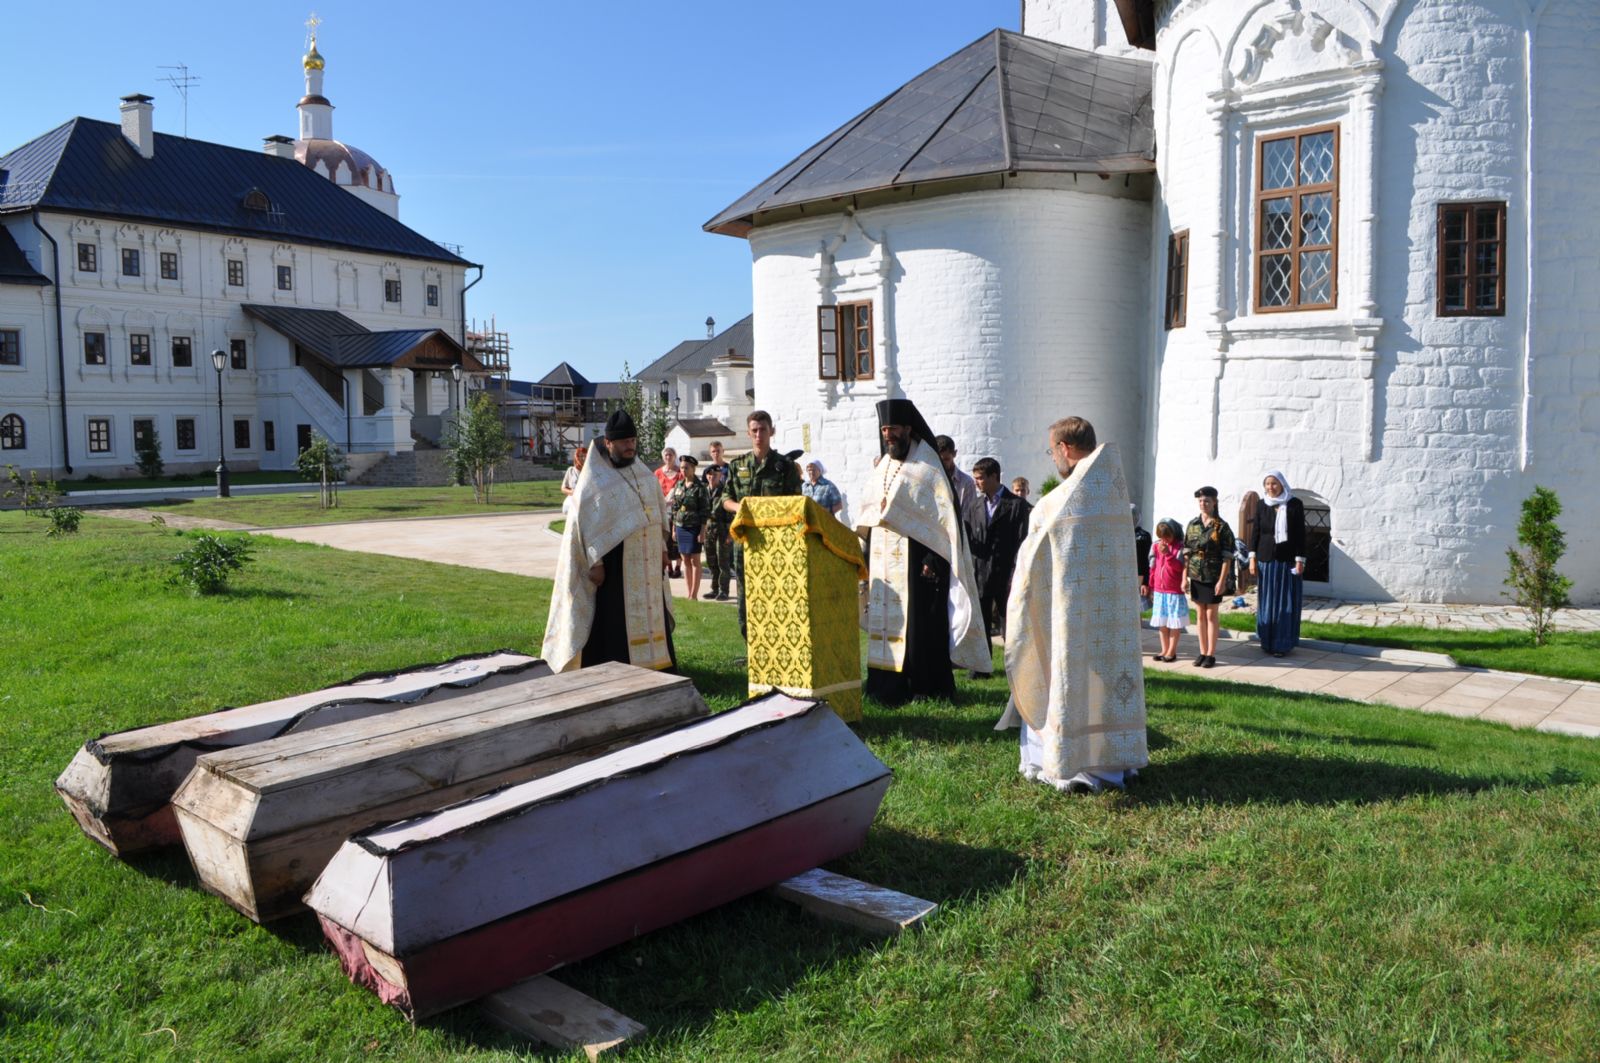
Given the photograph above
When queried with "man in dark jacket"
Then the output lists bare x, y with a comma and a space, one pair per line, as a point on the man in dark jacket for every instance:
997, 522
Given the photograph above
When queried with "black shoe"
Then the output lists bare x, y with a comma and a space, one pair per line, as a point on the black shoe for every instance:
723, 596
980, 675
709, 594
1200, 661
1277, 653
1208, 662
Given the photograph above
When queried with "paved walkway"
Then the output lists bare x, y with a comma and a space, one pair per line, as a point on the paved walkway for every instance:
522, 544
1456, 617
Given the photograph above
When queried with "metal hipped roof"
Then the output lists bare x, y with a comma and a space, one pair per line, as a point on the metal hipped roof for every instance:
344, 344
695, 356
88, 167
1004, 104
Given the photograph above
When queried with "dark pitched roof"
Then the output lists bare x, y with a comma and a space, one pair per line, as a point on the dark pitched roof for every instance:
695, 356
564, 375
704, 427
14, 265
1004, 104
88, 167
343, 343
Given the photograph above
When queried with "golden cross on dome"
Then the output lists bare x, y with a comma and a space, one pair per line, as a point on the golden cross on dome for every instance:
311, 24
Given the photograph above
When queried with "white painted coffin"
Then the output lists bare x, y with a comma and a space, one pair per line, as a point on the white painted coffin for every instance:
119, 787
413, 887
261, 822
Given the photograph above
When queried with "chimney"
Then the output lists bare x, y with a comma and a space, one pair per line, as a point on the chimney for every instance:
138, 124
278, 146
711, 327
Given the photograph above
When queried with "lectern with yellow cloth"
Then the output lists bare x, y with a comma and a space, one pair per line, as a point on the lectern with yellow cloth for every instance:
801, 570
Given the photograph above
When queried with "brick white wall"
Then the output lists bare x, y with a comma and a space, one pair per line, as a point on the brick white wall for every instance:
997, 312
1424, 464
1091, 24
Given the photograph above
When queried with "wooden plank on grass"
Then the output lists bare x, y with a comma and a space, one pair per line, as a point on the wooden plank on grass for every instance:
849, 900
558, 1015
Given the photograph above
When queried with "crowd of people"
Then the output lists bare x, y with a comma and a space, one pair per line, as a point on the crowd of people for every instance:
955, 559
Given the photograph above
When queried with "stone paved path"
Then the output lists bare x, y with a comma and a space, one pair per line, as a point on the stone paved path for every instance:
1457, 617
522, 544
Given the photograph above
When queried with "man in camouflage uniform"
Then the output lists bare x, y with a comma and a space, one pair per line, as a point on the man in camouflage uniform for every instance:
718, 543
689, 504
762, 472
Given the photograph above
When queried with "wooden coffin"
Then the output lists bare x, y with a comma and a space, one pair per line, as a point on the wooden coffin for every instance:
119, 787
465, 901
260, 822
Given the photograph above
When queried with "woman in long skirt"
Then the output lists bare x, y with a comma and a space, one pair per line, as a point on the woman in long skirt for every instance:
1278, 561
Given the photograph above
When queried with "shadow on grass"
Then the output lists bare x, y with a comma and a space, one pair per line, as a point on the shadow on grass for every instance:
1292, 734
735, 958
1282, 778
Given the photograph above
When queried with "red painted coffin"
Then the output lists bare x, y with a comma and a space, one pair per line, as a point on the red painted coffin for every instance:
119, 787
448, 907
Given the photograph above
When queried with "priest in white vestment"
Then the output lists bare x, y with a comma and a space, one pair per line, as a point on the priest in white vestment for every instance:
1072, 627
922, 616
610, 598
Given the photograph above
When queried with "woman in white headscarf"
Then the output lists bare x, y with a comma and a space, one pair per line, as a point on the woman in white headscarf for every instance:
1278, 561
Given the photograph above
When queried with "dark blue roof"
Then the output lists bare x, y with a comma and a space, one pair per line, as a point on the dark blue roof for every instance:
88, 167
341, 342
14, 265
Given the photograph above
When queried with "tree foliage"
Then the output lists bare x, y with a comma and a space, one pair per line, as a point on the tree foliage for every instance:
147, 451
34, 495
325, 463
1535, 584
210, 561
477, 442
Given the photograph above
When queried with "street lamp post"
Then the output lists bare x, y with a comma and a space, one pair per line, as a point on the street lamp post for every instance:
455, 391
218, 358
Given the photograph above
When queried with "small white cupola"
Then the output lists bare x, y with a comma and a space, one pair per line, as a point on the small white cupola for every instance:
138, 124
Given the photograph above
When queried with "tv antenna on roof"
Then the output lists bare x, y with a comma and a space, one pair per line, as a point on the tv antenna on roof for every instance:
181, 81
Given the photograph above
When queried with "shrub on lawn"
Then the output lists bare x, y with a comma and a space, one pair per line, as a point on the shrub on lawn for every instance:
209, 562
325, 463
63, 520
147, 451
477, 442
34, 495
1535, 584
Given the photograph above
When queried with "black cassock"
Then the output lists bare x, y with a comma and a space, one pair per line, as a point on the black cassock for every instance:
927, 660
608, 634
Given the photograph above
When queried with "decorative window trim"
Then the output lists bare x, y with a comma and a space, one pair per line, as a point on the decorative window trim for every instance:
1176, 312
1295, 251
845, 341
285, 275
187, 343
85, 233
1470, 243
140, 345
88, 256
168, 264
432, 292
284, 258
96, 353
235, 250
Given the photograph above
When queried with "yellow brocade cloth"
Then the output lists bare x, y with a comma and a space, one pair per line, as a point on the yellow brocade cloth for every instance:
801, 568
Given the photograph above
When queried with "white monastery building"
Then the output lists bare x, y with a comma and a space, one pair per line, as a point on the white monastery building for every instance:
127, 257
1357, 240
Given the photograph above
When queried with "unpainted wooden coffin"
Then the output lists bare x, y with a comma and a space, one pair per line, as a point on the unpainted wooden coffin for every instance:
260, 822
119, 786
460, 903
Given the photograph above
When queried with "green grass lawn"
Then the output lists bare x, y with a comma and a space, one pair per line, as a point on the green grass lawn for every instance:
1567, 654
199, 479
1294, 876
367, 503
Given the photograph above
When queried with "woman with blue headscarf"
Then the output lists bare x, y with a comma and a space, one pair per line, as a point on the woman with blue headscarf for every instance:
1278, 561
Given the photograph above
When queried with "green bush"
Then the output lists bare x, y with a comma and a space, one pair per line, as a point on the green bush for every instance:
34, 495
1050, 484
209, 562
326, 464
1535, 584
63, 520
147, 449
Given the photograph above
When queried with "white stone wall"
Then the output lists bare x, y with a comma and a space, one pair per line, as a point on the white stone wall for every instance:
1423, 433
201, 305
996, 312
1089, 24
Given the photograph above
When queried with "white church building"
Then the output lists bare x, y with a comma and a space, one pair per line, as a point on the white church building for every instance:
1357, 240
127, 257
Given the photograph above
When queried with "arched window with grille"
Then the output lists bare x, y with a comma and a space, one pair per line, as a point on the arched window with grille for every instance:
1319, 536
13, 433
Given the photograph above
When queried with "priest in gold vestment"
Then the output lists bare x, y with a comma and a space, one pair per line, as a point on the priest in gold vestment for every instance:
610, 598
922, 616
1072, 625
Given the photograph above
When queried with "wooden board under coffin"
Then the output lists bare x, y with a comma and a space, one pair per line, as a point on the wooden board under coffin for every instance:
119, 787
455, 905
260, 822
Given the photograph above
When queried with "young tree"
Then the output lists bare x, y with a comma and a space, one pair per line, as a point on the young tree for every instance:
323, 462
477, 442
632, 394
654, 428
147, 451
1535, 584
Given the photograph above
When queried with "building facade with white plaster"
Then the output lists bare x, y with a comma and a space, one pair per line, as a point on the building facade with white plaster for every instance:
1352, 239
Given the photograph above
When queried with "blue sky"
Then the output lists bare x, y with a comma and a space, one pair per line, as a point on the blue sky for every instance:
574, 149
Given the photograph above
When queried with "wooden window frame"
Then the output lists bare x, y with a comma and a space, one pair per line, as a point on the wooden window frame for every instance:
238, 354
88, 258
97, 357
1295, 249
1470, 259
130, 258
139, 347
392, 290
169, 265
1177, 305
185, 344
860, 347
13, 432
241, 433
182, 426
99, 431
285, 278
433, 295
10, 346
236, 273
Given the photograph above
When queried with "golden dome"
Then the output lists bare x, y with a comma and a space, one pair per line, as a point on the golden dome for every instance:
313, 57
